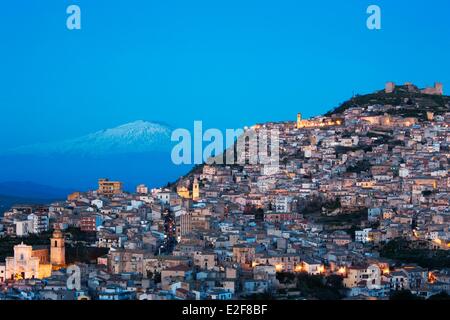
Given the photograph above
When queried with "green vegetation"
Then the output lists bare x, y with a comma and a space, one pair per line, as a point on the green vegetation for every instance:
313, 286
7, 243
332, 205
76, 245
78, 249
84, 254
360, 166
344, 219
259, 296
403, 295
405, 251
379, 135
340, 150
408, 101
407, 295
347, 221
76, 235
440, 296
315, 205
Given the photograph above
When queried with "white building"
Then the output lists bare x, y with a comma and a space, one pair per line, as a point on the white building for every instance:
142, 189
311, 266
165, 196
23, 265
403, 172
135, 204
23, 227
363, 235
270, 169
98, 203
40, 223
283, 204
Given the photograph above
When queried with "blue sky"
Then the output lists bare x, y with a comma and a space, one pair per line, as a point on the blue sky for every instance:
229, 63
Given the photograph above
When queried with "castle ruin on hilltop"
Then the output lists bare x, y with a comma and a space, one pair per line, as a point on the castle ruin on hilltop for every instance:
438, 88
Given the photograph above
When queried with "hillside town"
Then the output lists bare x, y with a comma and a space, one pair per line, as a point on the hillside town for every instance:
357, 208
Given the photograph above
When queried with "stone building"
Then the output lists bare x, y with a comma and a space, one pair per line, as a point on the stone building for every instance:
36, 262
109, 188
57, 249
26, 264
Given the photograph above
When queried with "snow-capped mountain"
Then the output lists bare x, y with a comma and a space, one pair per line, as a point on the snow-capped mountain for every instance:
135, 137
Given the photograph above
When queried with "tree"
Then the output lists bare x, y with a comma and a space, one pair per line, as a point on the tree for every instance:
259, 296
259, 214
440, 296
403, 295
408, 251
314, 286
335, 281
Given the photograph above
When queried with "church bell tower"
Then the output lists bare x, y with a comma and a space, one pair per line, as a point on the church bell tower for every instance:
195, 190
57, 249
299, 120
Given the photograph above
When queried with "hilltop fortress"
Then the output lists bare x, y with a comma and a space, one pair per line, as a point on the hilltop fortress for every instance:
392, 113
438, 88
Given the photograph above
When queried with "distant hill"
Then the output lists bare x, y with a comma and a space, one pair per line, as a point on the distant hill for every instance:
6, 202
30, 190
17, 192
134, 153
413, 104
135, 137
